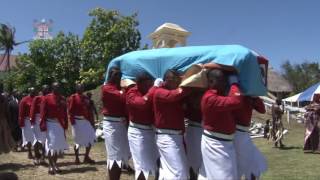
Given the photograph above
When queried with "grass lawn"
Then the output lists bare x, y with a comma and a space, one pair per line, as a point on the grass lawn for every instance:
287, 163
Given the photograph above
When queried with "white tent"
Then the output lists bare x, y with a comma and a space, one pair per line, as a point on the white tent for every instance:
292, 99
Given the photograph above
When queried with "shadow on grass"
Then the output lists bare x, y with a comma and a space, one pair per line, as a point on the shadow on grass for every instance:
101, 163
127, 173
72, 154
70, 163
290, 147
79, 170
15, 166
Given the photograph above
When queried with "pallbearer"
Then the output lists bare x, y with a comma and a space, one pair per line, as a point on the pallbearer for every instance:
39, 136
140, 133
93, 109
169, 124
82, 123
53, 115
194, 131
218, 153
115, 124
24, 120
250, 161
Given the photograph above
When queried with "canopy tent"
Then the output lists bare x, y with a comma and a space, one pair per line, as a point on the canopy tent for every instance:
293, 98
157, 61
307, 95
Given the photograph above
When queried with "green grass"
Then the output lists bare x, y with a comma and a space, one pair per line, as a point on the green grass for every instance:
290, 162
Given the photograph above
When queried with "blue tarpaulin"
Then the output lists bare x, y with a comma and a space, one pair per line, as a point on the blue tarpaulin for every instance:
157, 61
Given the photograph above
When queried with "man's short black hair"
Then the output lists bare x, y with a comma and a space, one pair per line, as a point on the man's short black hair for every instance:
143, 76
173, 71
112, 70
216, 73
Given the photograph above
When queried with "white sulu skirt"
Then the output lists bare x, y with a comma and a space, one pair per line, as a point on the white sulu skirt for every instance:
144, 150
219, 160
83, 133
56, 141
27, 133
39, 136
193, 143
172, 157
249, 158
116, 142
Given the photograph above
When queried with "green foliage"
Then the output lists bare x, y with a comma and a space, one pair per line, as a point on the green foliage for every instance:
58, 59
91, 77
301, 76
7, 41
68, 59
108, 36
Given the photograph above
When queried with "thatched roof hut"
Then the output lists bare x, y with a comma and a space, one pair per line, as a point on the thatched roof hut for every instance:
277, 83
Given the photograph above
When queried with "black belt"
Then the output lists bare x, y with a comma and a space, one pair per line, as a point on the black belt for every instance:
216, 138
241, 130
140, 126
113, 119
168, 131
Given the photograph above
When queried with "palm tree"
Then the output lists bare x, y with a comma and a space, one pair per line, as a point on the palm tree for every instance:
7, 43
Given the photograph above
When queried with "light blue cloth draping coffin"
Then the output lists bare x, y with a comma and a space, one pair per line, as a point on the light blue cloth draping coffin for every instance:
157, 61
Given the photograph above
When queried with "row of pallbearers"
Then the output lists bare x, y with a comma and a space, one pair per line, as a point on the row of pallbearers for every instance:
44, 119
215, 144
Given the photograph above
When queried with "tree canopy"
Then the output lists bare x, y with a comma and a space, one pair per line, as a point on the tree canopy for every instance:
69, 59
7, 43
301, 76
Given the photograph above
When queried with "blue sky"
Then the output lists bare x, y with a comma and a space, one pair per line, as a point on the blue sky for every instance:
279, 29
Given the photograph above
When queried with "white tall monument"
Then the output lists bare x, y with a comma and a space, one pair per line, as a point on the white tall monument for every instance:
168, 35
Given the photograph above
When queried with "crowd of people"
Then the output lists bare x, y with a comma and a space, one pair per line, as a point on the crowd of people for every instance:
169, 131
38, 121
180, 132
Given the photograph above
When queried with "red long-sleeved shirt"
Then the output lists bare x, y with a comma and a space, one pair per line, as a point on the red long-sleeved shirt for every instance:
168, 108
79, 105
53, 106
113, 101
244, 113
139, 110
24, 109
35, 108
192, 112
217, 111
